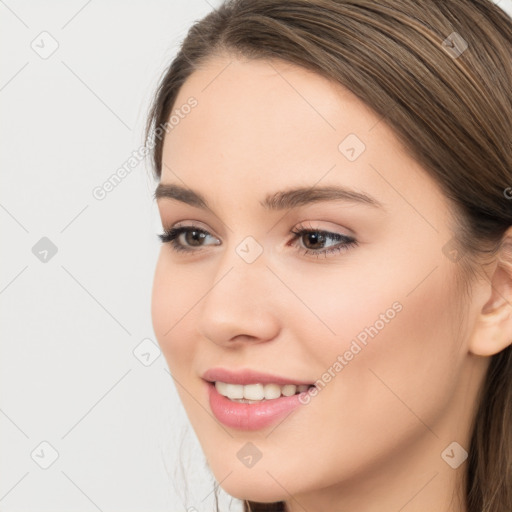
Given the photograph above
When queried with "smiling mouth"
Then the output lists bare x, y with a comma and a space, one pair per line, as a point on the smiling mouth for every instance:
254, 405
257, 393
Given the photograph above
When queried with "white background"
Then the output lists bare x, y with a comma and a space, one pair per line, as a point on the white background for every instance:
69, 326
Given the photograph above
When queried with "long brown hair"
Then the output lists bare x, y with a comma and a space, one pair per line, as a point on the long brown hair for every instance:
449, 104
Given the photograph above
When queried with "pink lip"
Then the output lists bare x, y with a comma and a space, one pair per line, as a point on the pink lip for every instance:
250, 416
248, 376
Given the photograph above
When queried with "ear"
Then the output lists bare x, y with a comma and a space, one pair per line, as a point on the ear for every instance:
493, 327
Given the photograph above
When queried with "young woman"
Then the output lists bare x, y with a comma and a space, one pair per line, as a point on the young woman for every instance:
334, 291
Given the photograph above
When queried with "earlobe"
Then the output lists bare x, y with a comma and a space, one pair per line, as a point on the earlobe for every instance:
492, 332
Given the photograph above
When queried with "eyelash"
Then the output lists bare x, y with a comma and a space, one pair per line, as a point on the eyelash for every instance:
171, 236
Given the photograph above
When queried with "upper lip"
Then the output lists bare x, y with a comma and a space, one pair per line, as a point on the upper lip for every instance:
248, 376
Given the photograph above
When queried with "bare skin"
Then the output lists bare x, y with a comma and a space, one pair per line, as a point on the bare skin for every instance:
372, 439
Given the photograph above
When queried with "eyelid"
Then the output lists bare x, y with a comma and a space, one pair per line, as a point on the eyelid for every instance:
190, 223
335, 229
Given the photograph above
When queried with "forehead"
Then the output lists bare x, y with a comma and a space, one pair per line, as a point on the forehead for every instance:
259, 125
253, 104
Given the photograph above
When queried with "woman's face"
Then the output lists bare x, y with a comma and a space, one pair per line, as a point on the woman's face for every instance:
375, 324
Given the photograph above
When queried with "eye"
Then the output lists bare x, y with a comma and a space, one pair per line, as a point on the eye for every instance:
193, 236
315, 240
316, 237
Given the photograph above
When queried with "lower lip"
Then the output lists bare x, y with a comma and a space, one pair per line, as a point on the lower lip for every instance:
250, 416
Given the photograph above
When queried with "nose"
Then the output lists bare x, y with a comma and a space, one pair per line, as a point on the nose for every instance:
240, 305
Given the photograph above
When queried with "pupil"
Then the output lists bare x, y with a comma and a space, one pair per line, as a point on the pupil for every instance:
318, 237
196, 236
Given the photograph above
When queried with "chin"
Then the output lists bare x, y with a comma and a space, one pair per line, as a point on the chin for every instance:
254, 484
266, 491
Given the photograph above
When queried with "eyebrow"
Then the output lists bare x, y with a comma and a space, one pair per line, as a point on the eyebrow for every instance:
286, 199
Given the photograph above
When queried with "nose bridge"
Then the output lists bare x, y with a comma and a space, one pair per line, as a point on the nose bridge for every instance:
239, 300
242, 269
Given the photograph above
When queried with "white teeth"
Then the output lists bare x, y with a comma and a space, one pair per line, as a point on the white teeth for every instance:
254, 392
235, 390
221, 388
257, 392
272, 391
289, 389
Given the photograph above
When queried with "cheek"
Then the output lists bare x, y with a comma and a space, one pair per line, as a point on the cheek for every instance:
172, 301
399, 305
402, 369
160, 299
